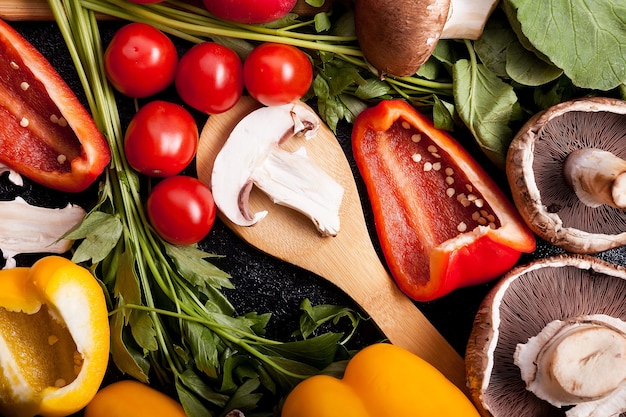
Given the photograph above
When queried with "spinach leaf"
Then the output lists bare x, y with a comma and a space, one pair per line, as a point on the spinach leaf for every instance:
487, 105
577, 35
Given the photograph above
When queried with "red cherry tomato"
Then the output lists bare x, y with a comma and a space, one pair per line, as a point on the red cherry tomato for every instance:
181, 209
161, 139
276, 74
140, 60
249, 11
210, 77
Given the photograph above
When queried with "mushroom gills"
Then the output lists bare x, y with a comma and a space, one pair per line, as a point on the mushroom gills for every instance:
252, 155
579, 362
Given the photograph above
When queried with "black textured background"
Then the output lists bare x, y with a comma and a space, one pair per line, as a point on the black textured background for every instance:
264, 284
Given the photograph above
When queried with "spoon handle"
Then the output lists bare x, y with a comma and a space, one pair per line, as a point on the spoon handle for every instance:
356, 269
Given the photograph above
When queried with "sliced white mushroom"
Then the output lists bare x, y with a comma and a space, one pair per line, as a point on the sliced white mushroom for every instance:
578, 361
26, 228
252, 156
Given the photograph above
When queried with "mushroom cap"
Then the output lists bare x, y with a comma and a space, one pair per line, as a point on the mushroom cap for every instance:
534, 168
396, 36
523, 302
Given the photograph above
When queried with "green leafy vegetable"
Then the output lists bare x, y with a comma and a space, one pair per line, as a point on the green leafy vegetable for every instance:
487, 106
577, 35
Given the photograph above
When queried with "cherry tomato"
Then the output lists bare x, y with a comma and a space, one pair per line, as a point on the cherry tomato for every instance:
249, 11
210, 77
181, 209
276, 74
140, 60
161, 139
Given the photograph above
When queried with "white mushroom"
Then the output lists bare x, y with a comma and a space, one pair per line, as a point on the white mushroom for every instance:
577, 361
550, 340
566, 168
26, 228
252, 156
397, 37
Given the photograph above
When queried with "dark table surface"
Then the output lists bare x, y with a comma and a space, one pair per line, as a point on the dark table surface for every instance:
264, 284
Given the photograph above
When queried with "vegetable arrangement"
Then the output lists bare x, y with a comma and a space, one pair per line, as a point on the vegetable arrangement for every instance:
170, 318
492, 85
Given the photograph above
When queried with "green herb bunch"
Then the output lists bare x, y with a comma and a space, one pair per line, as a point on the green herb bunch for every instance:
170, 320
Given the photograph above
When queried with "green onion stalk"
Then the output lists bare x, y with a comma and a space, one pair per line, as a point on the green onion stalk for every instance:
169, 317
344, 81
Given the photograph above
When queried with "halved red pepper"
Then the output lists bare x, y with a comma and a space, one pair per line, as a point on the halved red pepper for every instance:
442, 222
46, 134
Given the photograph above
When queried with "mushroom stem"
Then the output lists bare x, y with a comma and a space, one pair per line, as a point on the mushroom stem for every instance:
575, 361
597, 177
467, 18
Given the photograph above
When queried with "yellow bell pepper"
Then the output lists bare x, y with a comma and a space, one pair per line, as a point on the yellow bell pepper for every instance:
381, 380
129, 398
54, 338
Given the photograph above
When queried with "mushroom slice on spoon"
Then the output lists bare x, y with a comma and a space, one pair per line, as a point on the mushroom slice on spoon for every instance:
545, 334
252, 155
567, 171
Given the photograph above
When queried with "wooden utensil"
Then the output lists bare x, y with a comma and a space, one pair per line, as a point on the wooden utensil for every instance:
25, 10
348, 260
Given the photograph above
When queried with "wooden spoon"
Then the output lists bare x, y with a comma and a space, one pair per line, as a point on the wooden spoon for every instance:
348, 260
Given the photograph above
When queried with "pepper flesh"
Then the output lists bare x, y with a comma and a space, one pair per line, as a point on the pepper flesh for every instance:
442, 222
381, 380
46, 134
54, 338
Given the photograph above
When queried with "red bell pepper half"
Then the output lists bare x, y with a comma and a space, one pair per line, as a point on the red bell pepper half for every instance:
442, 222
46, 134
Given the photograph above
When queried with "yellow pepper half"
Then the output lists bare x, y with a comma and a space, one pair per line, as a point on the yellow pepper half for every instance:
54, 338
130, 398
381, 380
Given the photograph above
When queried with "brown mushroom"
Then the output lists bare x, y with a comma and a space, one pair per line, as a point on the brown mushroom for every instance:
567, 174
556, 319
397, 37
